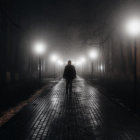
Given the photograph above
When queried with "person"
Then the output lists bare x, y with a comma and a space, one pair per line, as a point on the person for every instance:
69, 74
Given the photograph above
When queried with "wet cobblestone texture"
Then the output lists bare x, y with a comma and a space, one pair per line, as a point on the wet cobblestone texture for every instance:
84, 115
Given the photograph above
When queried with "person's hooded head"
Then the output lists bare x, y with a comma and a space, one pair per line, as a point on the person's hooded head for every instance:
69, 62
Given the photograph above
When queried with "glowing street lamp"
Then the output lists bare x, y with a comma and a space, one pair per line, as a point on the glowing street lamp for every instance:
101, 67
133, 29
54, 58
39, 49
82, 60
93, 54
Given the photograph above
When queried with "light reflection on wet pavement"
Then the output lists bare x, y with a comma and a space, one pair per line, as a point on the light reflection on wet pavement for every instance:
84, 115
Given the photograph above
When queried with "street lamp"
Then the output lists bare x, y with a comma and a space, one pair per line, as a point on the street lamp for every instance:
133, 29
93, 54
39, 49
53, 58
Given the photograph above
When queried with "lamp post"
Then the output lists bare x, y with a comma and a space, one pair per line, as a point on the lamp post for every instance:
39, 49
133, 29
93, 55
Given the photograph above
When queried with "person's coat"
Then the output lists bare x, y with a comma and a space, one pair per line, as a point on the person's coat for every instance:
69, 72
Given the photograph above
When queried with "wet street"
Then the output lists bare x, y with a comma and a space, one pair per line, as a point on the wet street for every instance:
86, 114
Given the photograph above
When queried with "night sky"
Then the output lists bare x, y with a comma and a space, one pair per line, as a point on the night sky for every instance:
68, 27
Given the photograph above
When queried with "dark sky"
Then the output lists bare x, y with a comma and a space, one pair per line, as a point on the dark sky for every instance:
67, 26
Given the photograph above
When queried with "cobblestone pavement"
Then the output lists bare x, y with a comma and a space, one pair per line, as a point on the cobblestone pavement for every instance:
84, 115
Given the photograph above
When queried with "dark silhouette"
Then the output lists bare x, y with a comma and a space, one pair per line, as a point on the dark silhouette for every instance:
69, 75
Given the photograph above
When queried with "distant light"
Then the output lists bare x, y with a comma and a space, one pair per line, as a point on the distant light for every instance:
82, 59
66, 63
101, 67
93, 54
73, 62
60, 62
39, 48
78, 63
133, 26
54, 58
